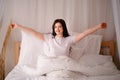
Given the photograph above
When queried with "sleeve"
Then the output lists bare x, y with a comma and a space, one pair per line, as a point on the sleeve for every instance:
71, 39
47, 37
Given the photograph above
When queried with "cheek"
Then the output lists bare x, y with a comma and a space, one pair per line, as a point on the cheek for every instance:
55, 29
61, 29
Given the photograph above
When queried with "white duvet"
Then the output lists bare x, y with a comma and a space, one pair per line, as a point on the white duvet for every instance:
89, 67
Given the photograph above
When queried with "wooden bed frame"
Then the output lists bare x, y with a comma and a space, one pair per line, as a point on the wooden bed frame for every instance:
106, 46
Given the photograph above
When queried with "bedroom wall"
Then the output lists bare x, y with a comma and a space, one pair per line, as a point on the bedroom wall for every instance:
40, 14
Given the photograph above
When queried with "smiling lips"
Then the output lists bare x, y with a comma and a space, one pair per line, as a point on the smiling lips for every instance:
58, 31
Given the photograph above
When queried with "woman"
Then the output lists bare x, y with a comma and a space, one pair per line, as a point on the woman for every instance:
59, 41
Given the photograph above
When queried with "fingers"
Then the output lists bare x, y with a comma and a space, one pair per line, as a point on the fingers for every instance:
13, 25
104, 25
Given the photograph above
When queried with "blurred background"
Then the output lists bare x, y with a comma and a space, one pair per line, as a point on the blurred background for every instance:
40, 15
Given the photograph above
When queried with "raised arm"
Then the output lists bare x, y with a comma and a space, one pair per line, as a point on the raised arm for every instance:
28, 30
89, 31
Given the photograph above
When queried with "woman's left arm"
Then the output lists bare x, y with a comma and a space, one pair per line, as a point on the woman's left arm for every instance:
89, 31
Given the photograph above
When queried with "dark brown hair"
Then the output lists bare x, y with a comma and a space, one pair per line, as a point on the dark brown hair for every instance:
65, 31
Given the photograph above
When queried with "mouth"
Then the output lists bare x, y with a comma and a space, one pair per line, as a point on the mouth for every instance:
58, 31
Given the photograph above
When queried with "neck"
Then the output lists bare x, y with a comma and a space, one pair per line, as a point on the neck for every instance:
60, 36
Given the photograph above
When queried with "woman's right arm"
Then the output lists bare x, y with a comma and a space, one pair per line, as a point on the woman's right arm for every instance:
28, 30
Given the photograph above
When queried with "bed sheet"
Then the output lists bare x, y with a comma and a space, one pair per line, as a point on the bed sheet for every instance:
17, 74
93, 62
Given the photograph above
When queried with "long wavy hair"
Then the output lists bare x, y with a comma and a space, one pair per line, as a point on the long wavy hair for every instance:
65, 31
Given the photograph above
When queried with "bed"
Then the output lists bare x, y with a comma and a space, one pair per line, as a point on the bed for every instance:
90, 59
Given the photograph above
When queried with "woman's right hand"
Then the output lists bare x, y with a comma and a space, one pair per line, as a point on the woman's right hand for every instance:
13, 26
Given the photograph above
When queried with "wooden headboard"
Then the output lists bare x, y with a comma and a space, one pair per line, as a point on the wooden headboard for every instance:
106, 47
16, 51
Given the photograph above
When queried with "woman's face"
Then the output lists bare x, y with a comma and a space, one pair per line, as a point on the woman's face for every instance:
58, 29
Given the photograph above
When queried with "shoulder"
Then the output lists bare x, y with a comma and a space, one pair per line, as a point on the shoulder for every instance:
70, 39
47, 36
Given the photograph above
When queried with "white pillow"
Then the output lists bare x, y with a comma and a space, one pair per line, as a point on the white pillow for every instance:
93, 44
90, 43
31, 47
76, 53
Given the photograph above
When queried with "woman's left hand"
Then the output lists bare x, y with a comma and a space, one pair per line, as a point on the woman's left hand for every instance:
103, 25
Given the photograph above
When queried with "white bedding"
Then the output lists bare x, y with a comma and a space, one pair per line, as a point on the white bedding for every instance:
86, 63
102, 68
